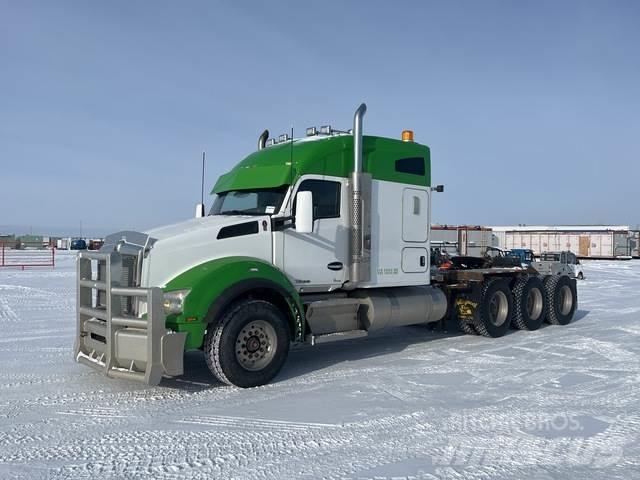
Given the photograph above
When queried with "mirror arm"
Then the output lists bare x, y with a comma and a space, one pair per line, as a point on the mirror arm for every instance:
282, 223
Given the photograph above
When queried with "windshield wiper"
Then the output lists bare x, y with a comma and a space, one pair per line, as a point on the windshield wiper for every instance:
239, 212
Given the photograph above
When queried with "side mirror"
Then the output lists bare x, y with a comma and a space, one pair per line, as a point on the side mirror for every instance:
304, 212
199, 210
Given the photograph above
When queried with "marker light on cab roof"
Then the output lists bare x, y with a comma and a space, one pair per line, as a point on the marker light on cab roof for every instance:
407, 135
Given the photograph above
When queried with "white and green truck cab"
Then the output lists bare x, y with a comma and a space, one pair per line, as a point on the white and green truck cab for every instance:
308, 240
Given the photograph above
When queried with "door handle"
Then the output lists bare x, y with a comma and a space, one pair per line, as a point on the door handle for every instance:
335, 266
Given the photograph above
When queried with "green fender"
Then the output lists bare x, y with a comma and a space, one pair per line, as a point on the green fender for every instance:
215, 283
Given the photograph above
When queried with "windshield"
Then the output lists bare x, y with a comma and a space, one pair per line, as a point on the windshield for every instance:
261, 201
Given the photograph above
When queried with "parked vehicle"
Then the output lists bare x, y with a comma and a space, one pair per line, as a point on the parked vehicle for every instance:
560, 263
78, 244
493, 252
308, 241
95, 244
501, 258
524, 255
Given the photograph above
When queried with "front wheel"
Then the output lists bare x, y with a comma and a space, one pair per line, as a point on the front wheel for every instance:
249, 345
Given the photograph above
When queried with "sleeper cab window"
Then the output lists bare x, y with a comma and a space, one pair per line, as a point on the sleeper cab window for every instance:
326, 197
411, 165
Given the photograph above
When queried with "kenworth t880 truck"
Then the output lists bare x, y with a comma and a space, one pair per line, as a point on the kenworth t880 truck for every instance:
309, 240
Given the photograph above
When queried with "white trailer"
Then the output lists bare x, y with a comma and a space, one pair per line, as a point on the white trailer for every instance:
586, 241
63, 243
635, 243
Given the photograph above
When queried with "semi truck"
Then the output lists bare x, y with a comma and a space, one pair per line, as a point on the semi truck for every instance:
309, 240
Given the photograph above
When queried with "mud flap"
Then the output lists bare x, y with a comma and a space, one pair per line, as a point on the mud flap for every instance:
466, 309
172, 352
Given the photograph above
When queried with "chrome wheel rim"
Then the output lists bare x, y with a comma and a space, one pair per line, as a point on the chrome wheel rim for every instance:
256, 345
566, 300
534, 304
498, 308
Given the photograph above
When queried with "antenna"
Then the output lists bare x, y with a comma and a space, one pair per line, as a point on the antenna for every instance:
202, 185
200, 206
291, 158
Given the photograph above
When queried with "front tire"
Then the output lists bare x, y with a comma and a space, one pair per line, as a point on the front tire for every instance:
249, 345
562, 299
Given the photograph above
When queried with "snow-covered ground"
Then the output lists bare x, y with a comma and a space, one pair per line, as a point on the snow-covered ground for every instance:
562, 402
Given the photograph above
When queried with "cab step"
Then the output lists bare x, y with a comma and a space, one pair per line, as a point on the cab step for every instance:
335, 337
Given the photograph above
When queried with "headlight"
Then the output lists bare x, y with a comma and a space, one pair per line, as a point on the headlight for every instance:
173, 301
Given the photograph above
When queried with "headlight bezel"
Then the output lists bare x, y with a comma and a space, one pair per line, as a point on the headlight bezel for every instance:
173, 301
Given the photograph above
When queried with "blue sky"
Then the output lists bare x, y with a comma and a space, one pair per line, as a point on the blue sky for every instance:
531, 109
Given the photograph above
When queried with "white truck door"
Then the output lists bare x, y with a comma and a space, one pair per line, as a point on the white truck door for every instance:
318, 261
415, 217
415, 230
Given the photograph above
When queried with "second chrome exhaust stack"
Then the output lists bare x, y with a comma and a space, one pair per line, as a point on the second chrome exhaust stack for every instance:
360, 215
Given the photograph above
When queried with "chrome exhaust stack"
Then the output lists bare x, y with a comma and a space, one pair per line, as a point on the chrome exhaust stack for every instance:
360, 215
262, 139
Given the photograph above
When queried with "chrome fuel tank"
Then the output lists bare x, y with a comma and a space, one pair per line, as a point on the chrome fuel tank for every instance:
395, 307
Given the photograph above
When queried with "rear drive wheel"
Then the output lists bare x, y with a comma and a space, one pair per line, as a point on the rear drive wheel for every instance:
467, 327
562, 299
249, 345
529, 303
495, 310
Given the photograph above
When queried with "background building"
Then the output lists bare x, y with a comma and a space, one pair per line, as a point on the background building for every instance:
586, 241
635, 243
8, 241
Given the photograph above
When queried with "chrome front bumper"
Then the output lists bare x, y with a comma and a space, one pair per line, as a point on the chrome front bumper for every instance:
109, 337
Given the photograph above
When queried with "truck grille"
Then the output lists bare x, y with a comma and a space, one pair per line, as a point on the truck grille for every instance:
128, 278
111, 339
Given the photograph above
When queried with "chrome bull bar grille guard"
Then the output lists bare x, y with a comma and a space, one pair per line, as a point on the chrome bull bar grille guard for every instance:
110, 339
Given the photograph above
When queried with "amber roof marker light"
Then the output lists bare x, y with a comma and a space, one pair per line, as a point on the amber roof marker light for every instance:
407, 135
